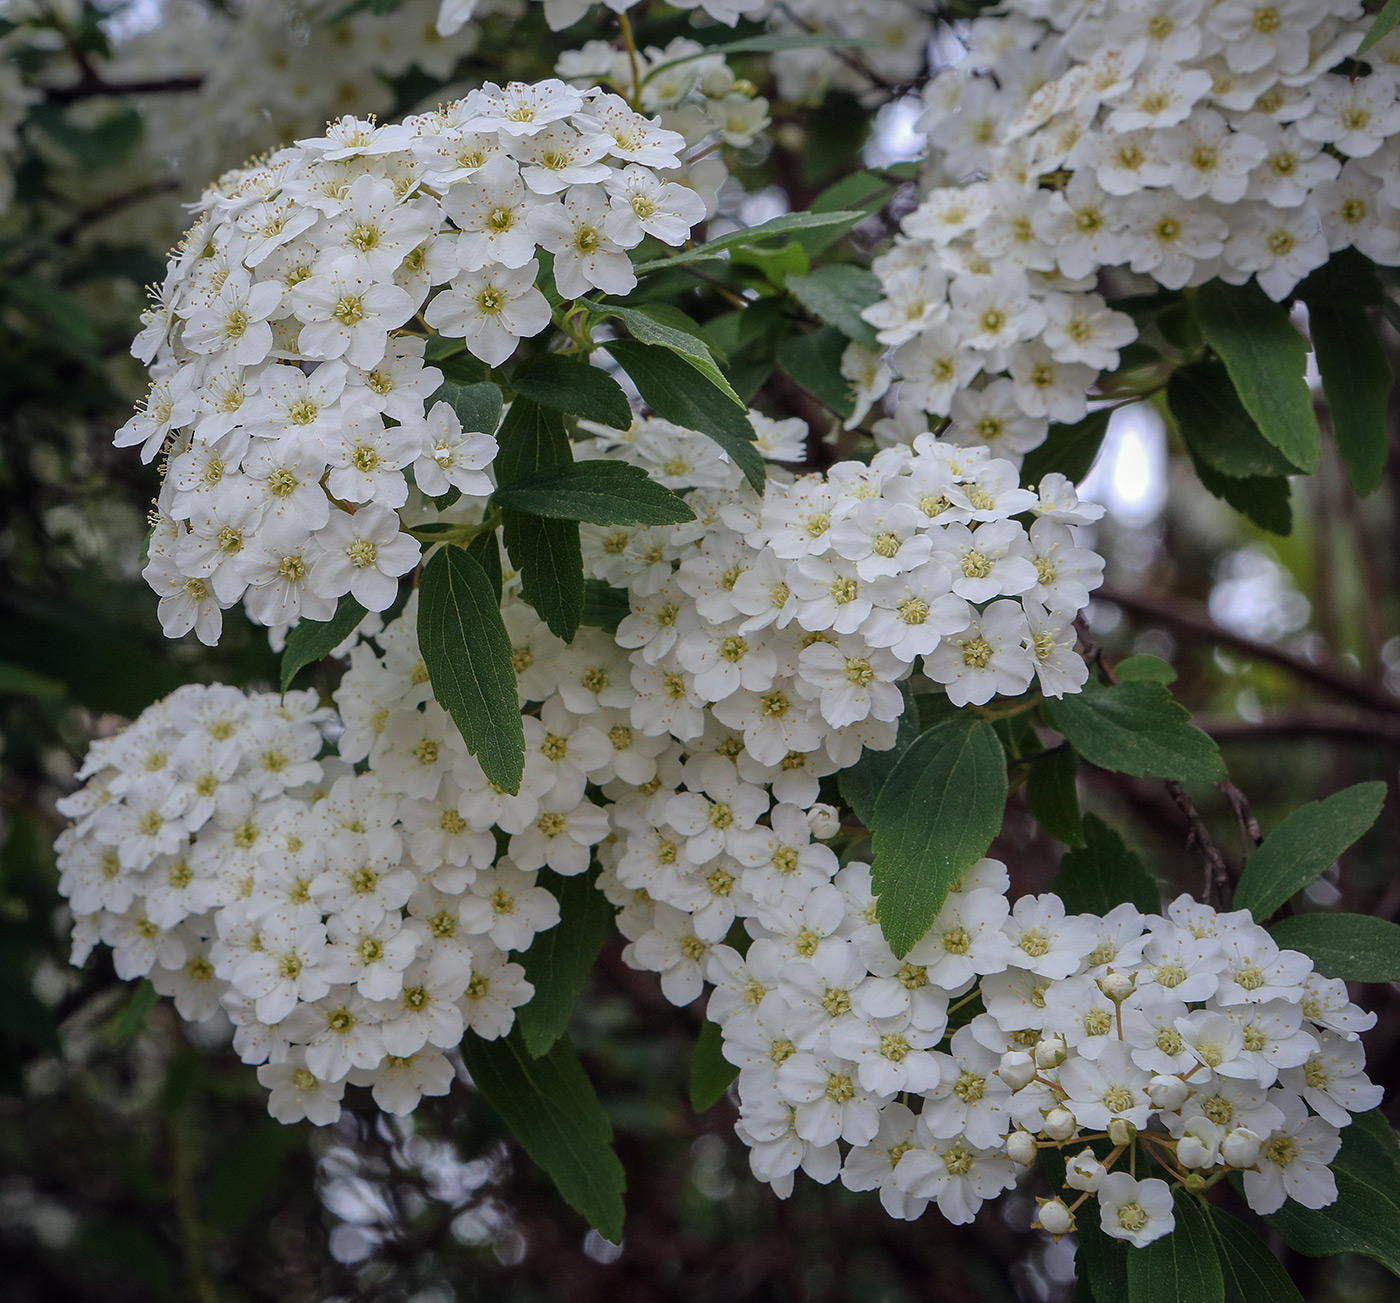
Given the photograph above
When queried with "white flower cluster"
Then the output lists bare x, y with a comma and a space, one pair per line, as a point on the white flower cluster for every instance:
218, 856
1184, 140
287, 397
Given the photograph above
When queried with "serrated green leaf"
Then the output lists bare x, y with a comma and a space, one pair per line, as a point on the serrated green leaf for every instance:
677, 392
1216, 427
1151, 669
1304, 845
936, 814
1366, 1216
553, 1111
1357, 380
1384, 24
599, 492
787, 224
1267, 361
485, 550
1052, 796
549, 558
1354, 947
604, 607
559, 960
468, 655
776, 266
1252, 1273
531, 438
1183, 1267
1136, 728
478, 406
814, 361
1103, 874
1348, 279
861, 783
570, 385
1069, 450
1264, 499
836, 295
312, 640
666, 327
710, 1072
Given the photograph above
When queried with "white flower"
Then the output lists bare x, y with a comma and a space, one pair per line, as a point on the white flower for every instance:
492, 309
364, 556
451, 458
1136, 1211
585, 254
986, 658
1293, 1162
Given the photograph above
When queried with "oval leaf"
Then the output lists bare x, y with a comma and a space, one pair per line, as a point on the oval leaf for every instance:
599, 492
710, 1072
1252, 1273
1104, 874
1354, 947
1182, 1267
1357, 380
570, 385
312, 640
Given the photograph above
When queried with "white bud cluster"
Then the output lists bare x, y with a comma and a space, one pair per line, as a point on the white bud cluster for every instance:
288, 395
1178, 140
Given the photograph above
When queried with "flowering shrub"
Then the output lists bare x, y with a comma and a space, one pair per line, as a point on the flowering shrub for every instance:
429, 396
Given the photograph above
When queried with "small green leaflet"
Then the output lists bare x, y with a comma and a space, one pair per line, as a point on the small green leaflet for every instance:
599, 492
1136, 728
1104, 874
1252, 1274
133, 1018
468, 654
787, 224
1267, 360
676, 391
1357, 380
311, 640
1305, 844
1182, 1267
937, 813
570, 385
478, 406
1151, 669
814, 361
552, 1109
1382, 27
549, 557
710, 1072
668, 327
1354, 947
1366, 1217
559, 959
1051, 795
1068, 449
836, 295
861, 783
1215, 426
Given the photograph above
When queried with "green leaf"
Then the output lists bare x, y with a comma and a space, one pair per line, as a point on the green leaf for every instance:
553, 1111
485, 550
937, 813
1182, 1267
814, 361
1216, 427
1252, 1273
468, 654
243, 1178
1348, 279
1264, 499
1136, 728
21, 682
599, 492
776, 267
787, 224
1069, 450
559, 960
1052, 797
1104, 874
836, 295
549, 557
1354, 947
478, 406
532, 438
676, 391
710, 1072
1100, 1260
312, 640
768, 45
861, 783
1305, 844
667, 327
573, 386
1382, 27
604, 607
1357, 380
1366, 1217
133, 1018
1267, 360
1150, 669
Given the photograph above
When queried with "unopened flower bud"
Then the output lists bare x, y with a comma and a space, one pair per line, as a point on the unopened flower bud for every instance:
1191, 1152
1168, 1093
1020, 1148
1059, 1124
1117, 986
1121, 1131
823, 820
1241, 1148
1055, 1218
717, 82
1195, 1182
1051, 1052
1017, 1069
1084, 1172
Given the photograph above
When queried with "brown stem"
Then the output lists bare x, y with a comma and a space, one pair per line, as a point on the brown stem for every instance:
1305, 724
91, 85
1219, 886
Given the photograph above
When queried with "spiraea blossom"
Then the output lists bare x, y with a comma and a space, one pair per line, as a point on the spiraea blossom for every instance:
290, 385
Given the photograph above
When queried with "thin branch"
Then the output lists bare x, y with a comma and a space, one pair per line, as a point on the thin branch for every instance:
1251, 835
1219, 886
1192, 619
91, 85
1305, 725
114, 204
